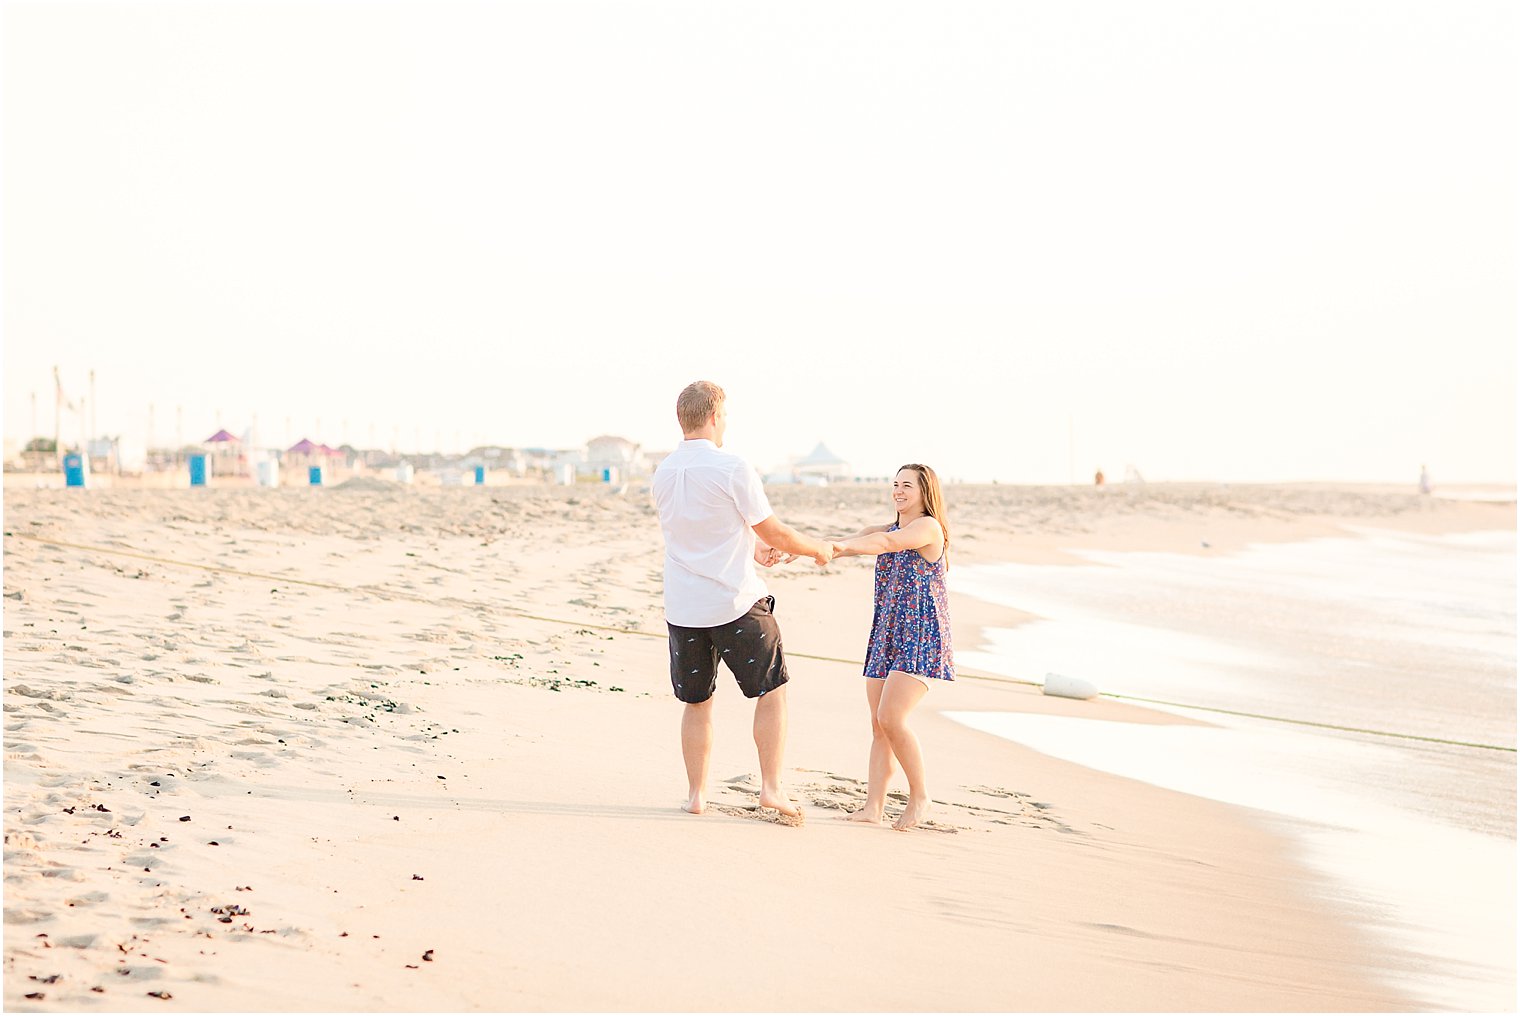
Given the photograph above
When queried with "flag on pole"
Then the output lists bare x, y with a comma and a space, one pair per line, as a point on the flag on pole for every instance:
62, 400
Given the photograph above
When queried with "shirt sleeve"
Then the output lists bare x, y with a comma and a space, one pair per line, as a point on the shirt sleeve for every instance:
749, 495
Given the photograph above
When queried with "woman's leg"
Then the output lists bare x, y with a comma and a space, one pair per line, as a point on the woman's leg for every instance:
879, 773
898, 699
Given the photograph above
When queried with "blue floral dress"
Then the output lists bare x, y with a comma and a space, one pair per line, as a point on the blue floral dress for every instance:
910, 630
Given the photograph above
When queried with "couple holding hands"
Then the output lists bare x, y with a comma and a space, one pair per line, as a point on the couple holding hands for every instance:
718, 525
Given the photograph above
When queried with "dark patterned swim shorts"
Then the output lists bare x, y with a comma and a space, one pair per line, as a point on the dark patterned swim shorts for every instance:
749, 644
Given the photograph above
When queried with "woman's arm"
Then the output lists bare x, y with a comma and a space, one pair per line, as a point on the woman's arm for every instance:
916, 535
837, 544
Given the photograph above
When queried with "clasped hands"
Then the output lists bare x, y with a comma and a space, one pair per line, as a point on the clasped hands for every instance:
769, 557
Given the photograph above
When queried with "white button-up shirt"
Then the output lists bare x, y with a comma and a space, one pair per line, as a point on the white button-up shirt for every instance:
708, 499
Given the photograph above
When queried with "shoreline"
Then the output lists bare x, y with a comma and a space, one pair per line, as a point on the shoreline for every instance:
1386, 852
529, 773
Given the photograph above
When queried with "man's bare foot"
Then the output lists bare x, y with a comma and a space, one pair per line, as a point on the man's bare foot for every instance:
872, 816
913, 814
696, 805
779, 801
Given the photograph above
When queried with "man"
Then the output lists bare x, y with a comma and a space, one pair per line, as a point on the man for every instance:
718, 525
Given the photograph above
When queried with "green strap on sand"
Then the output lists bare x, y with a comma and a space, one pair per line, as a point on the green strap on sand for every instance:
393, 594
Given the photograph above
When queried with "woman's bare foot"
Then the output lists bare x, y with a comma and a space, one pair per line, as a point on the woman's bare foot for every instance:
779, 801
916, 811
696, 805
870, 815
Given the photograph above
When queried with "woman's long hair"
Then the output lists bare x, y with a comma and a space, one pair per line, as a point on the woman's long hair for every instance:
934, 500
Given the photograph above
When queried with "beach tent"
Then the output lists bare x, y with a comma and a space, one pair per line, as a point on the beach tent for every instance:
332, 457
304, 454
227, 454
822, 463
611, 452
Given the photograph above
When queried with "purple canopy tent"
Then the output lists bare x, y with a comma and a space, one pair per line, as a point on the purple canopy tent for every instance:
227, 449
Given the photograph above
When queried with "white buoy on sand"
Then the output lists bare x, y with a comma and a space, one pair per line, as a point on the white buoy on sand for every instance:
1069, 687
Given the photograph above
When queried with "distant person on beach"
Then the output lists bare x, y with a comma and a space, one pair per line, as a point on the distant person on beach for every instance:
718, 525
909, 650
1098, 478
1424, 480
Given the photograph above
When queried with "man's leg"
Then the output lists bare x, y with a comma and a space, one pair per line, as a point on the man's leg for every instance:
770, 739
696, 749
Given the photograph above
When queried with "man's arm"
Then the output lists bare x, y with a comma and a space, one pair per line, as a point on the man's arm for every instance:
767, 557
775, 533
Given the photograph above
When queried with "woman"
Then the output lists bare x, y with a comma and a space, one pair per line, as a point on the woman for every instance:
909, 648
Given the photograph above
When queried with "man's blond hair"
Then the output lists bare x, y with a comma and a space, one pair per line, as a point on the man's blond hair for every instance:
697, 401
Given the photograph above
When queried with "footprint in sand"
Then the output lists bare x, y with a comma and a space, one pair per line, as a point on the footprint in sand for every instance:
62, 872
56, 694
81, 941
760, 814
746, 785
88, 899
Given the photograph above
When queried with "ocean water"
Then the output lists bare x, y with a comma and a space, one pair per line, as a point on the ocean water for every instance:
1380, 631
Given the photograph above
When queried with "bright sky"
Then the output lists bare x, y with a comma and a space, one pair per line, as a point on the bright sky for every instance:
1015, 240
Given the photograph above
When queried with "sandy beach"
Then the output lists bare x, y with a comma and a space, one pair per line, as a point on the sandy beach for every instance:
387, 748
